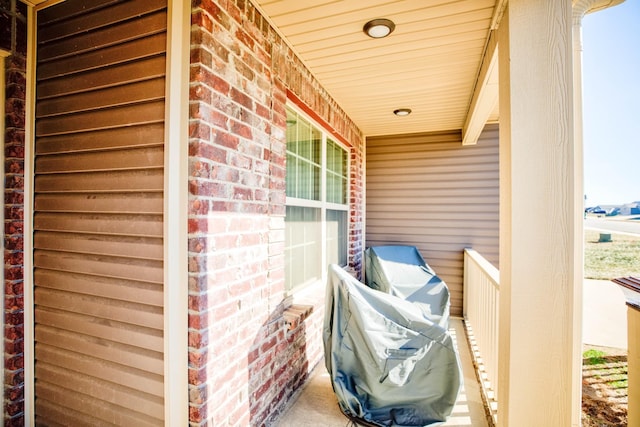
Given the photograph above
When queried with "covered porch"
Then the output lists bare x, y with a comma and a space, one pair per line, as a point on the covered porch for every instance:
525, 89
605, 325
462, 129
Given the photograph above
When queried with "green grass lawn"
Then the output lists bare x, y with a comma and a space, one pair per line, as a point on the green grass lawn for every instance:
604, 387
605, 381
608, 260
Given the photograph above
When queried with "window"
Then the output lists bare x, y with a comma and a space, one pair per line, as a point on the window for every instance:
317, 210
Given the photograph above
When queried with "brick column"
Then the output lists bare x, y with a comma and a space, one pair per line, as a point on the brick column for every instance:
250, 350
14, 41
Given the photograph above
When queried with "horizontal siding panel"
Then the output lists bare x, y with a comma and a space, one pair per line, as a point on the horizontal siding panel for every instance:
116, 160
107, 36
457, 302
380, 183
481, 218
403, 176
134, 93
431, 192
484, 156
115, 203
107, 57
116, 225
436, 169
437, 242
148, 134
112, 267
54, 415
148, 112
103, 77
114, 288
454, 235
118, 332
46, 18
100, 412
109, 351
133, 247
104, 390
129, 181
425, 197
101, 308
85, 17
463, 211
127, 376
98, 253
431, 141
480, 197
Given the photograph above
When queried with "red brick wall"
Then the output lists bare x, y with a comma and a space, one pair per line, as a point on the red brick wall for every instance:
14, 137
245, 363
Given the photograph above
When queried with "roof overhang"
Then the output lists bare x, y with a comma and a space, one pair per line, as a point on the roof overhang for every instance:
440, 61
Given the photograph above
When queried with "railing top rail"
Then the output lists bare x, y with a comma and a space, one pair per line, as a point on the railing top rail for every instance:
492, 273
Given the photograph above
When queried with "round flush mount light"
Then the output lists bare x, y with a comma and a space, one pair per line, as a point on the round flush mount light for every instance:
379, 28
401, 112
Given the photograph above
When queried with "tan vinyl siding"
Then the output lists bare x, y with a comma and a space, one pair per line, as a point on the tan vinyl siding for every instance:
431, 192
98, 220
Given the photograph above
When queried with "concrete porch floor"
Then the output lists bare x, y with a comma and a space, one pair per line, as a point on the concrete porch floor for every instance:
317, 405
604, 324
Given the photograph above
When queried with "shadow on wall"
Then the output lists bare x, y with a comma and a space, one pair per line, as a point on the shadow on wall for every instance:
278, 363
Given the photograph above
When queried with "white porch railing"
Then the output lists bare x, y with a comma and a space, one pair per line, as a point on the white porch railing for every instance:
481, 308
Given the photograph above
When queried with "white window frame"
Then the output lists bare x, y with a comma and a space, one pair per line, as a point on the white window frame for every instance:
322, 204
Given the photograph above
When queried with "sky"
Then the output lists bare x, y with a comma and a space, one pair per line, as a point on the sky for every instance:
611, 97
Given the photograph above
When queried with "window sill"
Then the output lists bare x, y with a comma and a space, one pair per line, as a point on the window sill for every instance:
295, 314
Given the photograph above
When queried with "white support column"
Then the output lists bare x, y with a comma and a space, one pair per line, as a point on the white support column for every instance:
539, 283
176, 403
578, 226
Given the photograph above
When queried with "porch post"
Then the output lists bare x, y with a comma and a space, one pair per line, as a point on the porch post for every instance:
540, 281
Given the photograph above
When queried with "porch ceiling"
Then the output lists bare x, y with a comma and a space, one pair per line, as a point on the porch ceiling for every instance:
430, 63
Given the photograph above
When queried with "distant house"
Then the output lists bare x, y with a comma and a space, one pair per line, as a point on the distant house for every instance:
632, 208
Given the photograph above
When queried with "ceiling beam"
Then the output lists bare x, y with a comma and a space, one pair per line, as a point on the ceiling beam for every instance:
485, 94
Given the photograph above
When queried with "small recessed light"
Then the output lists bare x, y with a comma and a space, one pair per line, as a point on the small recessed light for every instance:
379, 28
401, 112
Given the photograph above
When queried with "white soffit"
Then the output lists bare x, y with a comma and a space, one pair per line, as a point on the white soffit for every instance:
430, 63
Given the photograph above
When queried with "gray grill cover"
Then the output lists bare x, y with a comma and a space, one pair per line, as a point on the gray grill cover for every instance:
401, 271
390, 365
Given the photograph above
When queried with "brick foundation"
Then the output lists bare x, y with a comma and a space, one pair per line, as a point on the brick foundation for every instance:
250, 351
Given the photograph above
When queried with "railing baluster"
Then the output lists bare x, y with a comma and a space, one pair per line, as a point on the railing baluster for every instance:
481, 311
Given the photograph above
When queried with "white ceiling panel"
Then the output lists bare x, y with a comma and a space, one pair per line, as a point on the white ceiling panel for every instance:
430, 63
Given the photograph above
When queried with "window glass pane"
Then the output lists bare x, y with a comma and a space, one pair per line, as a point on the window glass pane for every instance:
303, 246
292, 131
310, 244
337, 237
292, 174
336, 173
303, 158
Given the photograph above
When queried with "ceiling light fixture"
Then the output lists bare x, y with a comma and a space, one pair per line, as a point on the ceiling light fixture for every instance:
378, 28
401, 112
